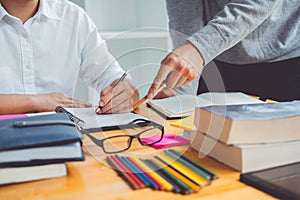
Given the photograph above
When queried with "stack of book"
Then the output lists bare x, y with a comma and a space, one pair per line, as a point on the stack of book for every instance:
37, 147
249, 137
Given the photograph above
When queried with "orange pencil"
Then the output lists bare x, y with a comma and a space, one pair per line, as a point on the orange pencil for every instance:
184, 170
189, 183
164, 185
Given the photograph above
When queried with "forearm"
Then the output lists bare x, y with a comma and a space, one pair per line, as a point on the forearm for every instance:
17, 103
231, 25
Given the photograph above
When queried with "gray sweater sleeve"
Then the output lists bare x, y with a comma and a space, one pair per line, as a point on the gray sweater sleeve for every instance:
232, 24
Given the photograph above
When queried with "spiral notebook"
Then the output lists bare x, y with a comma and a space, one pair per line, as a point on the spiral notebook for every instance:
92, 122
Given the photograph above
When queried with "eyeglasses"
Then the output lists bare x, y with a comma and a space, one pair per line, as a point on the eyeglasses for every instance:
148, 134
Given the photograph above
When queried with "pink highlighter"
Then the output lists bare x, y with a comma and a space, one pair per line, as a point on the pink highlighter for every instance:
169, 140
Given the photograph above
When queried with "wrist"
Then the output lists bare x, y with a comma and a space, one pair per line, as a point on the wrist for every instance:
33, 103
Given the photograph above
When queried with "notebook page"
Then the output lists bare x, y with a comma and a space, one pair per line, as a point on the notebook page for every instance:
93, 120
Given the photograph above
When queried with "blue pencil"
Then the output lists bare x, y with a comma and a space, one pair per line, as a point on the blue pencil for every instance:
145, 179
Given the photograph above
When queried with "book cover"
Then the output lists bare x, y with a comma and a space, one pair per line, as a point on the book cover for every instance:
282, 182
252, 123
61, 131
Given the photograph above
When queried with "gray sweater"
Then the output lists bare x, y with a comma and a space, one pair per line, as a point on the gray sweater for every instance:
238, 31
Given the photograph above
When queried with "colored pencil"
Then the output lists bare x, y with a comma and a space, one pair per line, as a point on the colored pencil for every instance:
131, 182
138, 175
212, 174
184, 170
126, 170
189, 165
147, 181
183, 188
143, 170
176, 188
164, 185
177, 175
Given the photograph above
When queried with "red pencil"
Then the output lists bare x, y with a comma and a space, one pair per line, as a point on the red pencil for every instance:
127, 171
124, 175
161, 187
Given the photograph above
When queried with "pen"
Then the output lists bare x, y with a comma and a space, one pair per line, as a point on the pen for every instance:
142, 100
120, 80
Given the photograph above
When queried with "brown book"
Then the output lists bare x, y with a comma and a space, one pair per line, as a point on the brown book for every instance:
252, 123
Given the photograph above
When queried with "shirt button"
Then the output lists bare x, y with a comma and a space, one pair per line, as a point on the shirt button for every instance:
28, 66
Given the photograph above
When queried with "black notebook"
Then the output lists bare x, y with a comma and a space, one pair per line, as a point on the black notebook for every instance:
281, 182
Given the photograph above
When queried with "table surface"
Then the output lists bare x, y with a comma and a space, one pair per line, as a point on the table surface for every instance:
93, 179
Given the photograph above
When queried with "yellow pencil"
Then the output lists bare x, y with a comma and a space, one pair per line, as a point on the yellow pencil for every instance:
189, 183
167, 186
184, 170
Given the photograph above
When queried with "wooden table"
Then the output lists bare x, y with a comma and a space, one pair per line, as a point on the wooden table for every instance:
94, 180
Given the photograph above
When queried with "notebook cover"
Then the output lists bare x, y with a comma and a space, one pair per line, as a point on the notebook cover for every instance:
37, 136
281, 182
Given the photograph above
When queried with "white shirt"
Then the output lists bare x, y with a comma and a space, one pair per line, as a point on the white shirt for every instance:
54, 47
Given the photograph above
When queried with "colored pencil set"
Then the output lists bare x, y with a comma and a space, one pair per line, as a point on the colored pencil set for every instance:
169, 171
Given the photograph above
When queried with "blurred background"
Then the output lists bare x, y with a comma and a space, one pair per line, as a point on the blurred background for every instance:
136, 34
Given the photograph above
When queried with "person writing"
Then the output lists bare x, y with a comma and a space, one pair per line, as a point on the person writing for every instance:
45, 46
255, 45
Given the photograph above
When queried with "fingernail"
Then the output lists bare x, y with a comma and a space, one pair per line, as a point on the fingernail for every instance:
99, 111
101, 103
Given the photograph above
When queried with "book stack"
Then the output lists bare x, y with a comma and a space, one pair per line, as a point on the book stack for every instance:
249, 137
37, 147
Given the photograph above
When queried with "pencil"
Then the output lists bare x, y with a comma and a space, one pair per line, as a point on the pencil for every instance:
189, 165
195, 187
182, 187
183, 170
165, 184
142, 100
147, 181
139, 102
126, 170
148, 172
156, 185
212, 174
131, 182
131, 170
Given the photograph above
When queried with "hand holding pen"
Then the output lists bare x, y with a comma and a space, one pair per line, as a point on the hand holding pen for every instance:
118, 97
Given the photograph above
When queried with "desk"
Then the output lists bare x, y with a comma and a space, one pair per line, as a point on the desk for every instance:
92, 180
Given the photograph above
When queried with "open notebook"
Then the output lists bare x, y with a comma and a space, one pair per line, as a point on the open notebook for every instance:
184, 105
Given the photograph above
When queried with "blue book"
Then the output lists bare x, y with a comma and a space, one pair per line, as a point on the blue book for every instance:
42, 139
